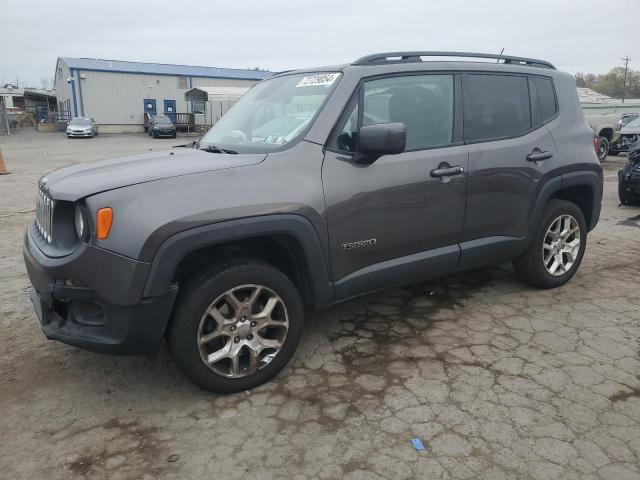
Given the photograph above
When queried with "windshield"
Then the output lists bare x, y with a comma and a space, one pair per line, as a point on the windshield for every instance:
633, 123
162, 120
80, 121
272, 114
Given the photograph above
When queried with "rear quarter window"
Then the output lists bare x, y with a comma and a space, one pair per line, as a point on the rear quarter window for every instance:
546, 98
495, 106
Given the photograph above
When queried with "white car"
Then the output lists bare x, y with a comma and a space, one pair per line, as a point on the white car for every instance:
82, 127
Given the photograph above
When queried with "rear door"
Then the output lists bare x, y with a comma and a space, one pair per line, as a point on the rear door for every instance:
511, 154
394, 221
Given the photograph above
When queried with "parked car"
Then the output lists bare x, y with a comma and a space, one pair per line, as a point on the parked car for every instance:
401, 170
82, 127
629, 135
628, 117
161, 126
629, 177
607, 127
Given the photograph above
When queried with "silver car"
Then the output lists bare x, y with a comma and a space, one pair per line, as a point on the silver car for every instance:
82, 127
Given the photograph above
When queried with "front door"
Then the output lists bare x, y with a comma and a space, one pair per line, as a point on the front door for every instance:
150, 106
395, 221
504, 129
170, 110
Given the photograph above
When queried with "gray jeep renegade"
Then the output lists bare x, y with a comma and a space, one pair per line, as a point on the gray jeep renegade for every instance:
317, 186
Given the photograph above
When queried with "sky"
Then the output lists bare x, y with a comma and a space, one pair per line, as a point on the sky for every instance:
575, 35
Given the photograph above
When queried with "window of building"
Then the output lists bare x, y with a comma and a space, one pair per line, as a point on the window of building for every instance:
198, 107
495, 106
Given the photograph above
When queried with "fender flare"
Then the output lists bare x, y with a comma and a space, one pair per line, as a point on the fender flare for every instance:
176, 247
592, 179
589, 178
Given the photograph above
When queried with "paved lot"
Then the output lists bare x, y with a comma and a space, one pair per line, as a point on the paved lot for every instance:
498, 380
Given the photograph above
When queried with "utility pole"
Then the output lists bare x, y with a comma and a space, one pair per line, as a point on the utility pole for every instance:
624, 84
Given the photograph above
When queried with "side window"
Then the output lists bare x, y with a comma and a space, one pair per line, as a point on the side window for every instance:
495, 106
546, 97
424, 103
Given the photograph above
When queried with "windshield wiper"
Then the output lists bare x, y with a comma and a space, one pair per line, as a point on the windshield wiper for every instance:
214, 149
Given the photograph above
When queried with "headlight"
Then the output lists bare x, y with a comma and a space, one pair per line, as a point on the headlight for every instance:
79, 222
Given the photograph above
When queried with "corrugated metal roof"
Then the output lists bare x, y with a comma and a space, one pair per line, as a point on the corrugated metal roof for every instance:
120, 66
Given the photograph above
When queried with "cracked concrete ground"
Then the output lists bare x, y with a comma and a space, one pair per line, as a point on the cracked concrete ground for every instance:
499, 380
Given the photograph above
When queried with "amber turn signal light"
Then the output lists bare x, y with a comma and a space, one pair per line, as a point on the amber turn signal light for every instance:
104, 219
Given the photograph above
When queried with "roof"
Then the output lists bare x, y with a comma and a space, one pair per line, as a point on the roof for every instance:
121, 66
12, 91
39, 92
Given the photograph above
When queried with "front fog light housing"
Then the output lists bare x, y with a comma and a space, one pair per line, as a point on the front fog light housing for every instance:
79, 222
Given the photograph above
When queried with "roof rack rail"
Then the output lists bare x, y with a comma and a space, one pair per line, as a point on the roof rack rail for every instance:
400, 57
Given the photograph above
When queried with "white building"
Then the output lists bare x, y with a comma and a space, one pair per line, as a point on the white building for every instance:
117, 93
13, 97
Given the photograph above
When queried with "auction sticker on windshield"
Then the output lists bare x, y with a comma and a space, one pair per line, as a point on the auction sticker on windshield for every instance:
318, 80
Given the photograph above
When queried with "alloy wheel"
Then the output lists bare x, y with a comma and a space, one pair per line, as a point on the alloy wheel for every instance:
561, 245
242, 330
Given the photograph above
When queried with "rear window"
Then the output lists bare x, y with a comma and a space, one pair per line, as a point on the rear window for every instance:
546, 97
495, 106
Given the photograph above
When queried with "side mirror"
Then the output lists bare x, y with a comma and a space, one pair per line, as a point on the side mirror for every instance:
380, 139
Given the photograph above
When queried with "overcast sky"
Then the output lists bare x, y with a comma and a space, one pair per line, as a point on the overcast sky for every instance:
575, 35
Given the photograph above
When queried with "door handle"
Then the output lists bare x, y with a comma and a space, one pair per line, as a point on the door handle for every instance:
538, 155
446, 171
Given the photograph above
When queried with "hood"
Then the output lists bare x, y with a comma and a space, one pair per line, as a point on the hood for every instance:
81, 180
79, 127
630, 130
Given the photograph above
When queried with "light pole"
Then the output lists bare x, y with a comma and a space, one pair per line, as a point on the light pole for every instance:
624, 83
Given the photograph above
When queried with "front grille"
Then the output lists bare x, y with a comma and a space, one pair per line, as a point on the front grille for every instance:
44, 215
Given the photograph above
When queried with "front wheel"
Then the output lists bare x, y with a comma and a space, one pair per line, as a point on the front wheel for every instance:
557, 246
236, 325
603, 148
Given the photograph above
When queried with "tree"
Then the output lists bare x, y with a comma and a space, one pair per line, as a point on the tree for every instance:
46, 83
611, 84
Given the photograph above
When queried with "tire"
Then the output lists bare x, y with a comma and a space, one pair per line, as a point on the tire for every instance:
627, 198
207, 291
603, 149
530, 266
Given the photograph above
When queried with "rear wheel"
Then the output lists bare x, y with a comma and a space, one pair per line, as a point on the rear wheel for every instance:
557, 246
603, 148
236, 325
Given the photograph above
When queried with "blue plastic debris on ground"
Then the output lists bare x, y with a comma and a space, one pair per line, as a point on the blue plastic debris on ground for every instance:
417, 444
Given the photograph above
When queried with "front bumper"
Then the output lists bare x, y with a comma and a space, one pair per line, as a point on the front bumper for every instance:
164, 133
79, 134
92, 299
